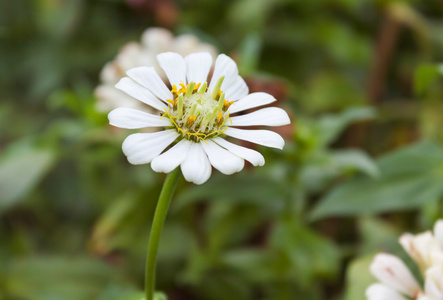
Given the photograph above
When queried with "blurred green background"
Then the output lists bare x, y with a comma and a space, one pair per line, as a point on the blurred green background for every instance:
363, 161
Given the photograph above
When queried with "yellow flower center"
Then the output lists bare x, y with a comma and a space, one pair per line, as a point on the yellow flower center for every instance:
196, 112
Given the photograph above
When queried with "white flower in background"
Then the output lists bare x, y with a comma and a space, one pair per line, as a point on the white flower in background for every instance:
196, 114
397, 281
424, 248
434, 283
379, 291
153, 42
395, 277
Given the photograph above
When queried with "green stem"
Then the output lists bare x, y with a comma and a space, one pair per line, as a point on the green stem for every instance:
157, 225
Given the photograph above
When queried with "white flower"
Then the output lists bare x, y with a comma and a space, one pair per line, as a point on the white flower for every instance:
392, 272
196, 115
434, 283
153, 42
438, 233
378, 291
423, 248
426, 249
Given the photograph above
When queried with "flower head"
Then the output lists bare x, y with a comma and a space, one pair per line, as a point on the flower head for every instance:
196, 114
397, 282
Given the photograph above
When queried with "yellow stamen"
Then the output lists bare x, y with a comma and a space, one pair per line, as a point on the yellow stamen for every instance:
183, 89
219, 118
196, 87
174, 90
172, 102
227, 104
190, 121
219, 94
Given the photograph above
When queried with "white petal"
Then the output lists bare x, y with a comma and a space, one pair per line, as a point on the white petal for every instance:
236, 90
223, 160
393, 272
130, 118
254, 157
142, 148
174, 66
198, 66
172, 158
438, 232
261, 137
196, 167
140, 93
251, 101
224, 65
378, 291
271, 116
147, 77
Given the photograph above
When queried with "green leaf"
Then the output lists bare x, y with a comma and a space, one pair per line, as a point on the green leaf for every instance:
21, 168
409, 178
329, 127
326, 167
425, 75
